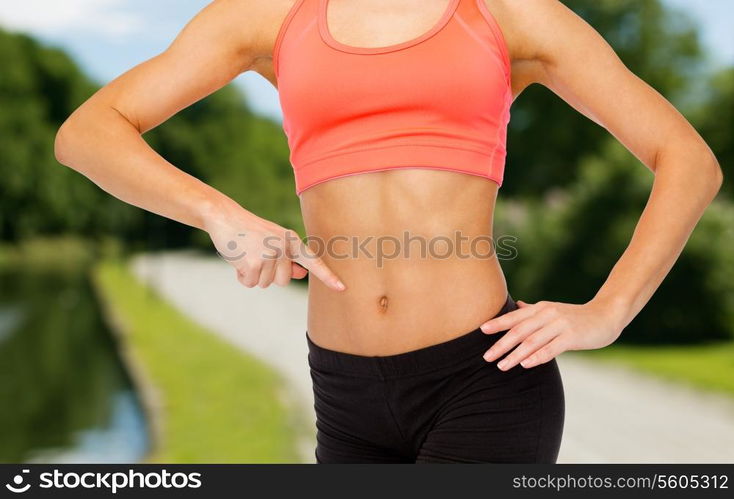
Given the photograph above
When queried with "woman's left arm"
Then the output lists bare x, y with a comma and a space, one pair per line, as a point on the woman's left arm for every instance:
575, 62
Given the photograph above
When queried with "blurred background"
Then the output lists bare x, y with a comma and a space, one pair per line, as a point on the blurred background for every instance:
122, 336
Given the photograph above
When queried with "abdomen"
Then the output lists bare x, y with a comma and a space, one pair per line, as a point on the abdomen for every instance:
413, 247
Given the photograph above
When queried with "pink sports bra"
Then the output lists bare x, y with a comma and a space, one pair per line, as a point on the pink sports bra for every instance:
441, 100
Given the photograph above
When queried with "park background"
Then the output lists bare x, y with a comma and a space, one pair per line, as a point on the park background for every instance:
108, 348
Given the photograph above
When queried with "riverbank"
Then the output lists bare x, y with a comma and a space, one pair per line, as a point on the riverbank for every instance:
207, 401
69, 398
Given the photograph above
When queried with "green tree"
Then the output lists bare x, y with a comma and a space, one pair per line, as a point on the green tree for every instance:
568, 242
547, 137
716, 123
218, 139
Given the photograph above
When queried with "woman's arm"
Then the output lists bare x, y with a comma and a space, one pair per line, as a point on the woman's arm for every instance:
562, 52
102, 139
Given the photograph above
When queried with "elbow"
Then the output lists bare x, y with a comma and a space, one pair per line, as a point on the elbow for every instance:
719, 177
702, 170
716, 175
72, 133
63, 149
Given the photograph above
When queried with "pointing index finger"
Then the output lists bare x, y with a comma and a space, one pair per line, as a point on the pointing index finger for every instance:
316, 266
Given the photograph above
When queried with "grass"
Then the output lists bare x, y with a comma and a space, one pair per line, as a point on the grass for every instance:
218, 405
708, 367
41, 253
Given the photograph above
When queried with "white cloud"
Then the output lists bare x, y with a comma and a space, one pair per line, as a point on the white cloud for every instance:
113, 18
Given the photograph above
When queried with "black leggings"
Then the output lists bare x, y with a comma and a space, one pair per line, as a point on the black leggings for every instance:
442, 403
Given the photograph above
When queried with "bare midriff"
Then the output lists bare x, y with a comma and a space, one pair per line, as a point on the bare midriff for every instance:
414, 248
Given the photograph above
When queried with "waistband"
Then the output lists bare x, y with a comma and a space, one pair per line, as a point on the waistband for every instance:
424, 359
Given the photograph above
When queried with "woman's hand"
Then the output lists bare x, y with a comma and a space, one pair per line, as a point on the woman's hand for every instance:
543, 330
263, 252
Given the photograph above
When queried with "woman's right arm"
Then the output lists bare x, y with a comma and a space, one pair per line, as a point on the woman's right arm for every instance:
102, 139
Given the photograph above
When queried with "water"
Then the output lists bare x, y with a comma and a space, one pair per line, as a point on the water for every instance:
64, 395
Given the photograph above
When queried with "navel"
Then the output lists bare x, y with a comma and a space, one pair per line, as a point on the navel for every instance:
383, 302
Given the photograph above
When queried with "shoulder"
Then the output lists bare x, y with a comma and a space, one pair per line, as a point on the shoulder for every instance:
269, 16
539, 33
251, 25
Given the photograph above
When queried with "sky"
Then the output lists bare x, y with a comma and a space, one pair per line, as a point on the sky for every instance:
108, 37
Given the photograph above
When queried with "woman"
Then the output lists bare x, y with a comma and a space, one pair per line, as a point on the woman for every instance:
396, 115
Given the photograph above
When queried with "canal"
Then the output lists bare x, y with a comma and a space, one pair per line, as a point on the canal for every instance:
64, 393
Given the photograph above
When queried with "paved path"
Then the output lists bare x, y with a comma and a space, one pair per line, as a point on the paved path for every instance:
613, 415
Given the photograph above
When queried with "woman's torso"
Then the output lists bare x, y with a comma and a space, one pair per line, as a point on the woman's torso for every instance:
412, 245
413, 248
